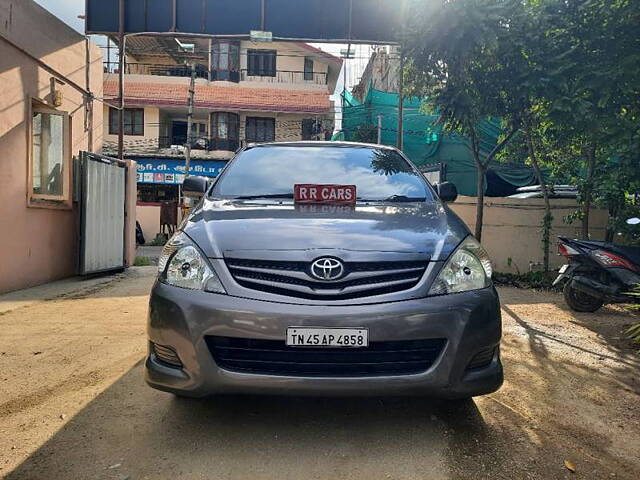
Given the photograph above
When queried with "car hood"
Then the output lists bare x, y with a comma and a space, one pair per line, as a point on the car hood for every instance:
267, 230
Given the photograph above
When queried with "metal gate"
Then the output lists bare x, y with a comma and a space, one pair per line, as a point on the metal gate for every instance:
102, 213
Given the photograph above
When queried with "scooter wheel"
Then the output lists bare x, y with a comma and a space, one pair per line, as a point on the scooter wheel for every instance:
579, 301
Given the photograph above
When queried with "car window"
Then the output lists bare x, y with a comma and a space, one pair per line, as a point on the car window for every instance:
378, 174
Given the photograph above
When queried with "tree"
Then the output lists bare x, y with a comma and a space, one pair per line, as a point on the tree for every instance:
452, 51
593, 50
617, 178
480, 59
580, 61
564, 74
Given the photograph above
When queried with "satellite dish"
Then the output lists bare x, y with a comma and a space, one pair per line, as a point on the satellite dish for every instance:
633, 221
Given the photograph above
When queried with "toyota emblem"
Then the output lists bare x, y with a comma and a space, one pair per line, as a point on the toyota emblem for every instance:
327, 268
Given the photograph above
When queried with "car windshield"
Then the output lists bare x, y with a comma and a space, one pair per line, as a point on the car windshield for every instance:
272, 172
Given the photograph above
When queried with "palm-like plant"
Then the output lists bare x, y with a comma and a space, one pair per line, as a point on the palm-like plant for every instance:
634, 330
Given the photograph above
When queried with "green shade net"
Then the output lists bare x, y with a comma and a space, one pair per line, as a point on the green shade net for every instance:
424, 141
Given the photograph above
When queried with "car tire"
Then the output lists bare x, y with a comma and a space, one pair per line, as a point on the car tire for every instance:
579, 301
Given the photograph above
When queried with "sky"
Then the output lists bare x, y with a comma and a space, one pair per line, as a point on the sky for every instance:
67, 10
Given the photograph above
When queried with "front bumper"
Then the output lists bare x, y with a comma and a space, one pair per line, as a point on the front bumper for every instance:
180, 319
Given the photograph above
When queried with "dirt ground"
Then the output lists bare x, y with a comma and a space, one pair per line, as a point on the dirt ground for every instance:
73, 405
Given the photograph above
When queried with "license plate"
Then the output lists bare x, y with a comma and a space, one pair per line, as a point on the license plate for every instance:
327, 337
563, 269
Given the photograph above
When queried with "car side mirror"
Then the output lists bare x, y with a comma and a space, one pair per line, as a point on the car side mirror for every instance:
447, 191
195, 187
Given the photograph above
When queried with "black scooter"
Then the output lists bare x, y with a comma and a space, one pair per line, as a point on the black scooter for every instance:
598, 273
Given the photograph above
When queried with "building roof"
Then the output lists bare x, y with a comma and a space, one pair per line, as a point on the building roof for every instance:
139, 93
321, 53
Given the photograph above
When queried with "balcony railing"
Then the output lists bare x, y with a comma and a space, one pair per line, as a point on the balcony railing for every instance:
284, 76
200, 143
173, 145
201, 147
155, 69
279, 76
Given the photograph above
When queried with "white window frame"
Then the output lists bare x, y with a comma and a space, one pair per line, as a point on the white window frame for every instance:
38, 199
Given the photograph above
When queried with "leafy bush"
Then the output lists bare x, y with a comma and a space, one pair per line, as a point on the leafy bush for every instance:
142, 262
537, 280
159, 241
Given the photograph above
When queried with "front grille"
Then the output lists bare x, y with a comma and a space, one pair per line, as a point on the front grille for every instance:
293, 279
273, 357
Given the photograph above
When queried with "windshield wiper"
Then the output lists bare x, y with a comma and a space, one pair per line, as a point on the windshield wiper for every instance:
394, 198
269, 195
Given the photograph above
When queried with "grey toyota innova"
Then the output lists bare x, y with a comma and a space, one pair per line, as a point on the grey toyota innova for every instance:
323, 268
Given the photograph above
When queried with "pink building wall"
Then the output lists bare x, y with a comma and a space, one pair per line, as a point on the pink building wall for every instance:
39, 244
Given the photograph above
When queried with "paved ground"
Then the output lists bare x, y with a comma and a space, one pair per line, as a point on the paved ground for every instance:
73, 405
49, 291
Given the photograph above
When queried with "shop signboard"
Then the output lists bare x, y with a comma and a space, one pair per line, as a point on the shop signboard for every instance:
171, 171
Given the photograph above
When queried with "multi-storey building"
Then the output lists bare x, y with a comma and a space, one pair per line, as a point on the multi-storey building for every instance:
245, 92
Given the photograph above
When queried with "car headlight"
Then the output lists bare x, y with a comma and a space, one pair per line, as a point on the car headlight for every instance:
468, 268
181, 264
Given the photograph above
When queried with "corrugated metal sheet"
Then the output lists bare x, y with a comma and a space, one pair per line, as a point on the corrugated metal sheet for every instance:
103, 207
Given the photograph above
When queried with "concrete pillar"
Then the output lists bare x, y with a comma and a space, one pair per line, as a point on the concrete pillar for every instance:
131, 199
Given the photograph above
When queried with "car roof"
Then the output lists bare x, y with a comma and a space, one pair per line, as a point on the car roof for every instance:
556, 188
316, 143
538, 194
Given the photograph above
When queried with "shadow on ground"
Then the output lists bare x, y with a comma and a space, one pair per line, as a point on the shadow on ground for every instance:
142, 433
552, 313
558, 403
